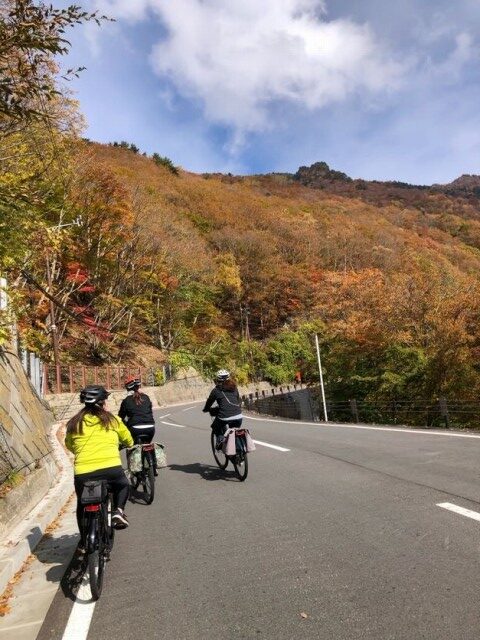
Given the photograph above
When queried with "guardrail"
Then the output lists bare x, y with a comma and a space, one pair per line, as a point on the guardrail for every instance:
306, 404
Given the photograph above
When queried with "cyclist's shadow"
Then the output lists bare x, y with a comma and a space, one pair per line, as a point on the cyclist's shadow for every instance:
137, 496
206, 471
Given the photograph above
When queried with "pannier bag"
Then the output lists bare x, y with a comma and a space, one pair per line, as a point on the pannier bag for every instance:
160, 455
231, 445
94, 491
135, 458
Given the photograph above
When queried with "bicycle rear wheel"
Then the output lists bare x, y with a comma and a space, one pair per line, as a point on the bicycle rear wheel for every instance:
220, 458
134, 480
96, 561
149, 484
240, 464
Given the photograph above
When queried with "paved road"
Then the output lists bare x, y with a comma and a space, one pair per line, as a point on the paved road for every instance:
340, 537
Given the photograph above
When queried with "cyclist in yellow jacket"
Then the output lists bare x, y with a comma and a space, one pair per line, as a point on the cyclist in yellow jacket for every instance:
94, 436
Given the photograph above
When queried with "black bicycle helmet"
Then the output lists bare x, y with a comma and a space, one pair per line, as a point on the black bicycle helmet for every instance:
93, 394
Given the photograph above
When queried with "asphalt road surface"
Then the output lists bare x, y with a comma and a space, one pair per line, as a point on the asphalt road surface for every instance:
335, 535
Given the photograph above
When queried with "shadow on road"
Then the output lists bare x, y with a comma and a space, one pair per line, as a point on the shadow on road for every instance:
137, 497
206, 471
73, 577
65, 566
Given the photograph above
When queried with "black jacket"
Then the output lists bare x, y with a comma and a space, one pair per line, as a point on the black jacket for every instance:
136, 414
229, 402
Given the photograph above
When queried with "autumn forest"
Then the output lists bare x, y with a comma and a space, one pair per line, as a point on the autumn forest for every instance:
129, 258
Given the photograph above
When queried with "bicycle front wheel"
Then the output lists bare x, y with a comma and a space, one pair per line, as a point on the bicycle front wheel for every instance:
240, 464
220, 458
149, 484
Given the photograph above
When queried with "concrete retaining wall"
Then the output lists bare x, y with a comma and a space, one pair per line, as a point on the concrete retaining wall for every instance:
25, 448
65, 405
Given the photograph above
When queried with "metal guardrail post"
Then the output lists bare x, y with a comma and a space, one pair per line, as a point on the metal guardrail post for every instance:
354, 409
444, 412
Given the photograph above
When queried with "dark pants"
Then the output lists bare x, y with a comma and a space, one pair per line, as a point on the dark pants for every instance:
117, 481
146, 434
220, 426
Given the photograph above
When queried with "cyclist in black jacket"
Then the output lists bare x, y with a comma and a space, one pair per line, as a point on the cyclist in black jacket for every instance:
136, 411
229, 411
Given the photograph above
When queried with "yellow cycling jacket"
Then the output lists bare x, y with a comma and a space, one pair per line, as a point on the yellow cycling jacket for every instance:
97, 447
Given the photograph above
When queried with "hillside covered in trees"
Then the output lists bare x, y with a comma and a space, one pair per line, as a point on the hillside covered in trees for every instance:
122, 257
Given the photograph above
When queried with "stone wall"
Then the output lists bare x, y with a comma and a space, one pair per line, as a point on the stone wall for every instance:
25, 446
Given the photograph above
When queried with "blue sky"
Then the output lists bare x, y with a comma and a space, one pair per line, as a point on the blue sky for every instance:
378, 89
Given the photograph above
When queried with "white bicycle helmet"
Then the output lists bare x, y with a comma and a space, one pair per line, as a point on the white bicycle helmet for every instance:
222, 375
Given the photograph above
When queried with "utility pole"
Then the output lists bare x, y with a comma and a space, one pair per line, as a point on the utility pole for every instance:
321, 378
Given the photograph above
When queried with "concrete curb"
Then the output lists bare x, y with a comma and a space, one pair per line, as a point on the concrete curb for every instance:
23, 539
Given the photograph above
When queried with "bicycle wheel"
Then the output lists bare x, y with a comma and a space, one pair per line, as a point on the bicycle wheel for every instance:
220, 458
134, 480
96, 563
240, 464
149, 484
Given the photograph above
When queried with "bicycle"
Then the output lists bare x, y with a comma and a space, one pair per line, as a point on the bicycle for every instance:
146, 476
98, 530
239, 460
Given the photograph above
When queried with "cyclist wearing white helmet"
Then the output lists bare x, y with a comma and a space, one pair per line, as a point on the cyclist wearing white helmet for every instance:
228, 412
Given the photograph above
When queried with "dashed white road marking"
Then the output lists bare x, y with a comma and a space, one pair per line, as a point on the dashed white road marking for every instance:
174, 424
468, 513
270, 446
336, 425
81, 614
165, 416
188, 409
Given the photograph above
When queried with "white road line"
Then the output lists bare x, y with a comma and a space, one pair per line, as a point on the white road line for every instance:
165, 416
188, 409
81, 614
468, 513
173, 424
336, 425
270, 446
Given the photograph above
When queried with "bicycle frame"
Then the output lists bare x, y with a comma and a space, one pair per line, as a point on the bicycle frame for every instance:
93, 515
148, 455
239, 459
146, 476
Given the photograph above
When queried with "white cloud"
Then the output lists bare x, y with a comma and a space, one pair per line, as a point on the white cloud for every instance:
240, 57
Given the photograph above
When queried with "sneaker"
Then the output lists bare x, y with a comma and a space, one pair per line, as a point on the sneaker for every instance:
80, 549
119, 519
220, 441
